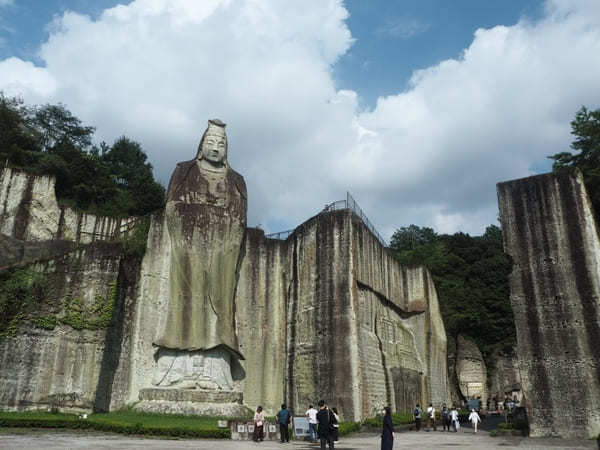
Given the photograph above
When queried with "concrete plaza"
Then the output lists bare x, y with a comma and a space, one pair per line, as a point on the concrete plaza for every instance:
50, 440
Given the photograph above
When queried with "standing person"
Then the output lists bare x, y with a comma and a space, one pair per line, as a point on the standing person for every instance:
445, 417
387, 434
311, 416
474, 419
454, 419
336, 424
417, 415
283, 419
324, 429
431, 417
259, 423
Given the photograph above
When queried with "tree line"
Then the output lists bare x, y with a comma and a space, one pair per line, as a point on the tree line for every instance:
471, 272
471, 278
106, 180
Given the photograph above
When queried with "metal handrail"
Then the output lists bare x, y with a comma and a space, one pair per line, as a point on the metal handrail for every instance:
348, 203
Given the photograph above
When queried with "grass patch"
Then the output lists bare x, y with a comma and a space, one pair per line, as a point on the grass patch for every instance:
126, 422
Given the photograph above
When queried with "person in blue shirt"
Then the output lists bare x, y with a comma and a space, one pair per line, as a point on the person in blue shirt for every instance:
283, 419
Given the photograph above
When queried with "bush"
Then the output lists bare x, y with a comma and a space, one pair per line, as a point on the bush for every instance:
397, 419
348, 427
121, 422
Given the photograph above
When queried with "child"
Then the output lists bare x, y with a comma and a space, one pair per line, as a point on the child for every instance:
474, 419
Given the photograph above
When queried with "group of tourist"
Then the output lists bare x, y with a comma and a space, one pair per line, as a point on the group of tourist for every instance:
284, 417
450, 418
323, 424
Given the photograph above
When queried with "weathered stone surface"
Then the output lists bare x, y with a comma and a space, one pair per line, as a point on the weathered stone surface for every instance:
505, 379
29, 212
328, 335
309, 328
327, 313
261, 309
206, 220
193, 408
471, 372
191, 395
550, 232
61, 367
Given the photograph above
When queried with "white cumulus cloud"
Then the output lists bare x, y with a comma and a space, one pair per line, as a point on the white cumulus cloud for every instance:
156, 70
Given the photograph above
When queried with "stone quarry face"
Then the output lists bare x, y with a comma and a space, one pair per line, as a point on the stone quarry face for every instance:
217, 317
550, 232
470, 370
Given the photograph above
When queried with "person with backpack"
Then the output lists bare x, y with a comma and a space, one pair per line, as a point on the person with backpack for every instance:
335, 420
417, 415
445, 418
431, 418
324, 428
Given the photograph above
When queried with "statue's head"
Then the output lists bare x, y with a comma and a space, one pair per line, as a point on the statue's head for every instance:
213, 145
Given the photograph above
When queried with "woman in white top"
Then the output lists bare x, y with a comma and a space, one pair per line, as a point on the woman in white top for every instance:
474, 419
259, 422
454, 419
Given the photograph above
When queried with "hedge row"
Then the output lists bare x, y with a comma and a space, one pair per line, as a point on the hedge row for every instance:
115, 426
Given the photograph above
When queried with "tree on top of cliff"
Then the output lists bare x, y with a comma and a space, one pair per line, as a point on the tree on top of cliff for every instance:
586, 129
471, 278
49, 140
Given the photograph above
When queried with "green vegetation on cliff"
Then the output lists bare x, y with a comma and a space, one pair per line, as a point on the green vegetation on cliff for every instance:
20, 290
26, 297
107, 180
471, 277
586, 129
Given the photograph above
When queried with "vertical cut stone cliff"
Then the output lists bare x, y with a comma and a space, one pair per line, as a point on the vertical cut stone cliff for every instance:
471, 372
326, 313
339, 319
69, 283
550, 232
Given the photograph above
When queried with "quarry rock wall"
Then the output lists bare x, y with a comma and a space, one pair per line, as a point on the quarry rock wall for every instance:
505, 379
471, 371
550, 232
54, 357
29, 211
327, 313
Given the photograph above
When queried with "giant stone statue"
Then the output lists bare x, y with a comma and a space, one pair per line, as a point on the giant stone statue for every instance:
206, 220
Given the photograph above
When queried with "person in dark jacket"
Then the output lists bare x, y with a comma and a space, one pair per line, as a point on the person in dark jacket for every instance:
387, 434
325, 426
283, 418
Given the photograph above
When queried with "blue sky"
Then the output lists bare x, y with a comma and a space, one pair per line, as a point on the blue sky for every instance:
396, 37
392, 37
416, 107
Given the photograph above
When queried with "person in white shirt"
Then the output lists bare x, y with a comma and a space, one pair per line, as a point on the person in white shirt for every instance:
311, 416
431, 417
454, 419
474, 419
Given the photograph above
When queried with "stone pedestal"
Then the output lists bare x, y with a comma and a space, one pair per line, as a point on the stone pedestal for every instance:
192, 402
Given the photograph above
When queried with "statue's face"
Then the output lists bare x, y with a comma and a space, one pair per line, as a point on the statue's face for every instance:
214, 147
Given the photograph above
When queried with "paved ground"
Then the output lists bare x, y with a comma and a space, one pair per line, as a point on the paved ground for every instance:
26, 439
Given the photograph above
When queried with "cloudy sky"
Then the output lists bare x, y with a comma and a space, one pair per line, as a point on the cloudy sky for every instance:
417, 107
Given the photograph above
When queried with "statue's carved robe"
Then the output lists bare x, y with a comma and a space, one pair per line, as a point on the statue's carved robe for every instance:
206, 221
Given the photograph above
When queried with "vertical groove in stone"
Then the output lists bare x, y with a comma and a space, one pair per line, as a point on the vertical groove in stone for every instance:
550, 232
22, 216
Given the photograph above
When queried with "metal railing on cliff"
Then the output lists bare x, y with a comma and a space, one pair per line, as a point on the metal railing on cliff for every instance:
348, 203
